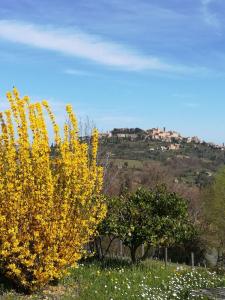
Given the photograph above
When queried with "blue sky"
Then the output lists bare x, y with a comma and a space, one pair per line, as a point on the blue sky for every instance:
136, 63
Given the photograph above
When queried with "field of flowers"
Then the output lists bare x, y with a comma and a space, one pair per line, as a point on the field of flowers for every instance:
118, 280
149, 280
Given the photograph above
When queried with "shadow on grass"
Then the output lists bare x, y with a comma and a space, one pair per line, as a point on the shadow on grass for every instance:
10, 286
7, 285
108, 263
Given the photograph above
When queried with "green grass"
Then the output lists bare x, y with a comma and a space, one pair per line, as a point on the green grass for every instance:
113, 280
119, 280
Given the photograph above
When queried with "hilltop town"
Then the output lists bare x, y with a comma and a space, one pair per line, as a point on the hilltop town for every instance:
190, 159
173, 139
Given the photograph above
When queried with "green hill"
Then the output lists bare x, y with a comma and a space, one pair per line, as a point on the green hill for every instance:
192, 163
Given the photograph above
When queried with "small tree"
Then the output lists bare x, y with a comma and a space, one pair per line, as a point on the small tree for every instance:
155, 217
170, 216
49, 206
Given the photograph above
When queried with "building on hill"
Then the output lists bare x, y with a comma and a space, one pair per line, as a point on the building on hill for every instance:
188, 140
193, 139
196, 140
131, 136
107, 134
159, 134
174, 147
163, 135
128, 133
174, 135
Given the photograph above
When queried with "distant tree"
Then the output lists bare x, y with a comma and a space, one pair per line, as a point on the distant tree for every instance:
214, 211
156, 217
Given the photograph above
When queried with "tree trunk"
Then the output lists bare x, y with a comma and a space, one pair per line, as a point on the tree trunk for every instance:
146, 252
109, 245
166, 256
98, 247
133, 254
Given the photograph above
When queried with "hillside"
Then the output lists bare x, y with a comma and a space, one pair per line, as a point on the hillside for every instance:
192, 163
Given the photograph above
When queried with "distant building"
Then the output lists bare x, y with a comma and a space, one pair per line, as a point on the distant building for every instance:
130, 133
107, 134
188, 140
131, 136
193, 139
120, 135
163, 148
196, 140
174, 147
163, 135
158, 134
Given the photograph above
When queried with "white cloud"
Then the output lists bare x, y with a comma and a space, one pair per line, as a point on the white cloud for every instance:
82, 45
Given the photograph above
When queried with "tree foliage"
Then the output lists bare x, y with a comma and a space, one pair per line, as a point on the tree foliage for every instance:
214, 210
49, 207
156, 217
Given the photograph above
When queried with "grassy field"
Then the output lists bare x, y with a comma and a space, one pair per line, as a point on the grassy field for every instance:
118, 280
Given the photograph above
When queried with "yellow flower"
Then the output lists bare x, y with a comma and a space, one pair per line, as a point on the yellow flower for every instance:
49, 205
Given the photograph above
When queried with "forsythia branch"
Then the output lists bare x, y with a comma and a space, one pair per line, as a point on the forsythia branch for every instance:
50, 206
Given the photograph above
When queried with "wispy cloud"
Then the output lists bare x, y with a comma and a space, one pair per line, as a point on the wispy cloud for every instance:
77, 72
84, 46
186, 100
209, 17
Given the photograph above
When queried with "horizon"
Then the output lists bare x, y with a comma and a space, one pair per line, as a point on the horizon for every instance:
148, 62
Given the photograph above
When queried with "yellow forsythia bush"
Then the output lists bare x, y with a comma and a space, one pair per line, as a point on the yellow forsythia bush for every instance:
50, 206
